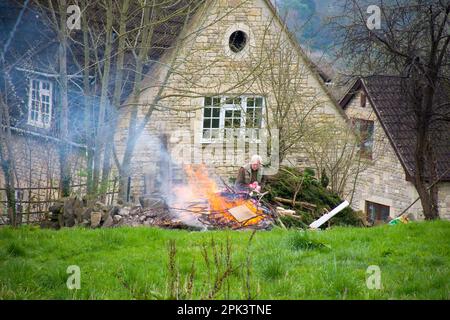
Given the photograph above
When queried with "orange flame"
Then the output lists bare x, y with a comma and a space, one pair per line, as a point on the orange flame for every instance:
202, 194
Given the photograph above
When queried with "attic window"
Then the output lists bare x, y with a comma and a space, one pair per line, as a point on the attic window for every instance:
237, 41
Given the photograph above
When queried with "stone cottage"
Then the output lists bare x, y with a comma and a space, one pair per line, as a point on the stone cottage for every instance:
377, 109
30, 93
214, 85
232, 82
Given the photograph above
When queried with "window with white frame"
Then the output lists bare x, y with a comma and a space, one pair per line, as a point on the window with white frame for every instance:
223, 113
40, 103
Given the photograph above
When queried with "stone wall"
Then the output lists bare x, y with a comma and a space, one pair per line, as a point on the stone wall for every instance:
37, 167
444, 200
382, 179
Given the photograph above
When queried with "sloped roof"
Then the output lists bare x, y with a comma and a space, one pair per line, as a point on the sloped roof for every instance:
315, 70
388, 99
34, 45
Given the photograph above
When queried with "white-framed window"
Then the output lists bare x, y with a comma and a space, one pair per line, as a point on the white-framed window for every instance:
222, 114
40, 103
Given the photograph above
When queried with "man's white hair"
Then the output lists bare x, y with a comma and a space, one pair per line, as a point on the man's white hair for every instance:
255, 159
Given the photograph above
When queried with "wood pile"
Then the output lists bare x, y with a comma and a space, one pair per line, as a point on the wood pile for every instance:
153, 211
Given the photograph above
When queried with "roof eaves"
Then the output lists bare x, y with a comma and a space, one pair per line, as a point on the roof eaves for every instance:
43, 136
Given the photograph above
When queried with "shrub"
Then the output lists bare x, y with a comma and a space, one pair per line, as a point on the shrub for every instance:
292, 182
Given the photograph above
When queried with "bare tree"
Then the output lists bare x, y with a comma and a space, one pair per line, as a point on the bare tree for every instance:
55, 15
8, 161
7, 155
174, 63
283, 76
413, 42
297, 109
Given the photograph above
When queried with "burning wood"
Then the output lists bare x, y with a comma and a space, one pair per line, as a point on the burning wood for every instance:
242, 213
201, 201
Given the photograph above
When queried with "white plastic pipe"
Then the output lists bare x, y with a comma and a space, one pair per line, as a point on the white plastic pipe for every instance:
327, 216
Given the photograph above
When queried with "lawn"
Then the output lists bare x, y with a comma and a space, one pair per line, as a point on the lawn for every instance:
150, 263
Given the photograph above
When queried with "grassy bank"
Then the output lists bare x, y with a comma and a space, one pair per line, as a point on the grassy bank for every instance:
133, 263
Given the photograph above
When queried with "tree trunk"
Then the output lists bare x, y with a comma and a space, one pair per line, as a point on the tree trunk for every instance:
64, 149
428, 197
7, 163
100, 141
88, 116
133, 133
116, 96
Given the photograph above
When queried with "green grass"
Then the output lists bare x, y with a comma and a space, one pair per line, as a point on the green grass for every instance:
132, 263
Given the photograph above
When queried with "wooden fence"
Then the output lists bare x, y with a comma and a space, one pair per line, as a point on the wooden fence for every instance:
32, 203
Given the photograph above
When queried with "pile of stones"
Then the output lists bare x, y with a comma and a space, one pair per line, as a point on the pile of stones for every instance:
75, 211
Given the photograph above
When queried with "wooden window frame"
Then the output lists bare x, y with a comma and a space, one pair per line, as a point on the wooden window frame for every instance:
36, 116
378, 211
228, 103
362, 147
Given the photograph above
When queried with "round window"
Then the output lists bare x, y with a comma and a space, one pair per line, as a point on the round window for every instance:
238, 40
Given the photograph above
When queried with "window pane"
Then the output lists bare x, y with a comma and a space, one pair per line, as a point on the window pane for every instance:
364, 130
232, 118
233, 101
207, 101
370, 128
215, 123
40, 106
250, 102
214, 133
258, 102
254, 118
206, 133
384, 213
207, 112
207, 123
377, 212
216, 102
216, 112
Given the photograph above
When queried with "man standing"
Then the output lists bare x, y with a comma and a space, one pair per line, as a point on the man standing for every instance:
250, 176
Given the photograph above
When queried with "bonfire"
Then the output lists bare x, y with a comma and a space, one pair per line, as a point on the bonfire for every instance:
202, 201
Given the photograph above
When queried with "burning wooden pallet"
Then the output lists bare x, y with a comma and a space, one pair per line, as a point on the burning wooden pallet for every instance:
202, 199
226, 210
